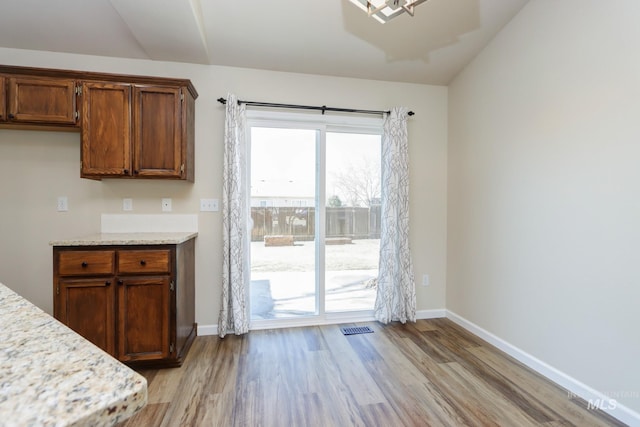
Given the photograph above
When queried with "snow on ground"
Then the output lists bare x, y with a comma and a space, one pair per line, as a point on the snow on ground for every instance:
283, 278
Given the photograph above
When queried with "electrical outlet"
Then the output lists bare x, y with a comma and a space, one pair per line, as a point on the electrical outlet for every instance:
209, 205
425, 280
166, 205
127, 204
63, 204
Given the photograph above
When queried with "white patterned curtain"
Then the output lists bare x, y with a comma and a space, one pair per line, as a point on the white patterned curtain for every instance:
396, 291
235, 266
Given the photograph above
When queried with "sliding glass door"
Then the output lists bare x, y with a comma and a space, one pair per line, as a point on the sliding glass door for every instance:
283, 200
352, 212
315, 218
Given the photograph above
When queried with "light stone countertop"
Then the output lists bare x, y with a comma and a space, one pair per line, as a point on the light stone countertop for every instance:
151, 238
51, 376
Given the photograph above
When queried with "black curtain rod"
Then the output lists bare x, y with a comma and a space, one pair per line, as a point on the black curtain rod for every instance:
324, 108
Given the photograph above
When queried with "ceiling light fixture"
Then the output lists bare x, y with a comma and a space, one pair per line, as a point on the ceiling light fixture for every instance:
385, 10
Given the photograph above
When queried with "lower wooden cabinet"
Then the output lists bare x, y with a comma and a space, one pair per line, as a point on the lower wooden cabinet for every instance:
88, 307
137, 303
144, 318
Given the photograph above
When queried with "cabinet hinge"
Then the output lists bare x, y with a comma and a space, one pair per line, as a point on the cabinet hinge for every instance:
77, 115
172, 286
181, 96
79, 90
182, 168
58, 289
171, 348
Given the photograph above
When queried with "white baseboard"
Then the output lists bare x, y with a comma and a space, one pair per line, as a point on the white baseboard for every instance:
329, 319
431, 314
207, 330
615, 409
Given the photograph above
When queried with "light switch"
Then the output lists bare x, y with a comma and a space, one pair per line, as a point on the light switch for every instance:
209, 205
425, 280
63, 204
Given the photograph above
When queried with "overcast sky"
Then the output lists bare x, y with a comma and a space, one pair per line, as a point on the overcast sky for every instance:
283, 160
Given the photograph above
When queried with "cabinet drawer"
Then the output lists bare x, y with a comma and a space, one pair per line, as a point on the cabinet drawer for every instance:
144, 261
83, 263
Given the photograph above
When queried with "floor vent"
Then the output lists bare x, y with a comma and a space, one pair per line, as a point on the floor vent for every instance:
356, 330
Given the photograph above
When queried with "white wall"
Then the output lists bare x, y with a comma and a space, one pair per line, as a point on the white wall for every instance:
544, 190
37, 166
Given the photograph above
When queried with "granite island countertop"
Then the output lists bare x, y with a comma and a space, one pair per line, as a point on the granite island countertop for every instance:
150, 238
51, 376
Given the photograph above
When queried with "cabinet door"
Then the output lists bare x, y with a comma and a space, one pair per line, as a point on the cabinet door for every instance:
106, 129
45, 100
87, 307
3, 100
158, 150
143, 318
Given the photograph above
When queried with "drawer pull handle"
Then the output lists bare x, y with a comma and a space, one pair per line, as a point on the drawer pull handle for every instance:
143, 262
85, 264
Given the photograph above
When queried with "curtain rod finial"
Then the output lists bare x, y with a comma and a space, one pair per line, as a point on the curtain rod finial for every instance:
222, 100
410, 113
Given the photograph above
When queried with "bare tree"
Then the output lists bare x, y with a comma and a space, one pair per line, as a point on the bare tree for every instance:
359, 184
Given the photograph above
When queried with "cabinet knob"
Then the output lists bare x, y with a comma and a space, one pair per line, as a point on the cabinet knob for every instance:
11, 116
136, 172
125, 171
120, 282
107, 283
84, 264
143, 262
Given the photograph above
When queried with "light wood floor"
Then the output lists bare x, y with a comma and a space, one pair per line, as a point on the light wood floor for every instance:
431, 373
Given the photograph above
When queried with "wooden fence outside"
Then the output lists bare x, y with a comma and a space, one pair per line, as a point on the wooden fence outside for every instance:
355, 223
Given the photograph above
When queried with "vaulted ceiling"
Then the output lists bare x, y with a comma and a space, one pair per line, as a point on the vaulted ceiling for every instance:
329, 37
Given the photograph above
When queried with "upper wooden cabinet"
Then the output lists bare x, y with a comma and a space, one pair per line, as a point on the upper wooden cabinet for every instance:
3, 97
131, 126
139, 131
158, 141
46, 100
106, 129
